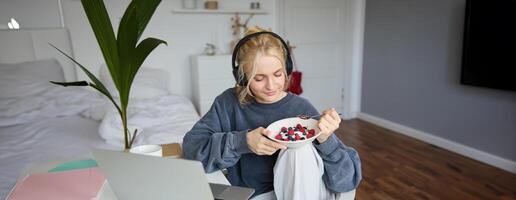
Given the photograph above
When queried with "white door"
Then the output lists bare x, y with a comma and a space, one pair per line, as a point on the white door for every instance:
316, 30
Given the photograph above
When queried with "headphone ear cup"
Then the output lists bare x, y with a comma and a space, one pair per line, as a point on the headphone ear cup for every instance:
242, 81
235, 74
289, 65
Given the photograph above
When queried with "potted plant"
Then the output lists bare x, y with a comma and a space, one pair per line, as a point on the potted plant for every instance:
123, 54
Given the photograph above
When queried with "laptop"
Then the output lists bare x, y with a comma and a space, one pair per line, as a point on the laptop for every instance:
133, 176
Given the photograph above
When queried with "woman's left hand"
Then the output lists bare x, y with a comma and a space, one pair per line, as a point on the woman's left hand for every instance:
328, 123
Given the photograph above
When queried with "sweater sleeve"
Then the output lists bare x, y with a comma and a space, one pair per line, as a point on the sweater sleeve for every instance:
342, 168
216, 149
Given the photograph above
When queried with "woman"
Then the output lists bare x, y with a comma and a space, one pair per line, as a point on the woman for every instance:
232, 135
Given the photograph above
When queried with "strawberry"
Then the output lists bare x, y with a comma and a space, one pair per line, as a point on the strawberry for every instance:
278, 137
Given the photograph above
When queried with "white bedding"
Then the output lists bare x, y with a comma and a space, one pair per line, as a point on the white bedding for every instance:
44, 141
43, 100
160, 120
49, 123
41, 122
58, 138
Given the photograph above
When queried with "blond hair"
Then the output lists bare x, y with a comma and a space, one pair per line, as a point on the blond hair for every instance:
249, 54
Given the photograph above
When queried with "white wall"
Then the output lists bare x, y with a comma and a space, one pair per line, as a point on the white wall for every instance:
186, 34
412, 64
31, 13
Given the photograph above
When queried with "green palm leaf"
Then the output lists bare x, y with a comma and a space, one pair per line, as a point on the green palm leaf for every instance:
103, 30
122, 55
143, 50
146, 9
96, 83
126, 43
75, 83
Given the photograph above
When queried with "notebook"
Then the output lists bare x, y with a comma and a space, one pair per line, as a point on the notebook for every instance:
72, 184
133, 176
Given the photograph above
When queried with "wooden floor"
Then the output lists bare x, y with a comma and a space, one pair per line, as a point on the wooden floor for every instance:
395, 166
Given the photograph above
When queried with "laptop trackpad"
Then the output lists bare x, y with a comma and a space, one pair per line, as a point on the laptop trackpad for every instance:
221, 191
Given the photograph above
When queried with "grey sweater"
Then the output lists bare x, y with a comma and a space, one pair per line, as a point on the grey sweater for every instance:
218, 140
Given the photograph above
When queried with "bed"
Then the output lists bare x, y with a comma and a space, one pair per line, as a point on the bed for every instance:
41, 122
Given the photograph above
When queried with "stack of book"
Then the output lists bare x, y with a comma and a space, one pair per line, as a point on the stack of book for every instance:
72, 180
77, 179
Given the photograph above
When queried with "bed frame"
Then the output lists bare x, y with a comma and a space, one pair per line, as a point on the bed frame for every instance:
33, 44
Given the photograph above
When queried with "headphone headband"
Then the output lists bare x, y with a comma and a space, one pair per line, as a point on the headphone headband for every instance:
243, 80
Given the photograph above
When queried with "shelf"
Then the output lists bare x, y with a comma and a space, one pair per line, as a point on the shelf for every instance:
218, 11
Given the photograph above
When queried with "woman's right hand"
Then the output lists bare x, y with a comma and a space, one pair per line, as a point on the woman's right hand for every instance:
260, 144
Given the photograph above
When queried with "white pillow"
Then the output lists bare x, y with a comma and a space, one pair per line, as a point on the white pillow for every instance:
149, 83
22, 79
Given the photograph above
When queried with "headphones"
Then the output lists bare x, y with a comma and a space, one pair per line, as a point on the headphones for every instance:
242, 81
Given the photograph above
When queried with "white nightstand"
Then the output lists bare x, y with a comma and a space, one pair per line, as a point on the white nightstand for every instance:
211, 75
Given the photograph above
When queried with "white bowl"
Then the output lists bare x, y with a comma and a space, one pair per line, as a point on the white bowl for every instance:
151, 150
275, 128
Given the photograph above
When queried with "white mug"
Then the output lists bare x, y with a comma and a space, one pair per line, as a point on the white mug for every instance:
151, 150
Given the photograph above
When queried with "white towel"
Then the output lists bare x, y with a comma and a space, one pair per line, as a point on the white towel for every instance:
298, 175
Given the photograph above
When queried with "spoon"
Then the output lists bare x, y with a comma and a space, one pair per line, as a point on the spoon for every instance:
313, 116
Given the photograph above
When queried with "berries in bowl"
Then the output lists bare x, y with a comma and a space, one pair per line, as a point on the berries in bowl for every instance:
294, 132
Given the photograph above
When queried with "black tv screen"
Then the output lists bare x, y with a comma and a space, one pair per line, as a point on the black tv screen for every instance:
489, 49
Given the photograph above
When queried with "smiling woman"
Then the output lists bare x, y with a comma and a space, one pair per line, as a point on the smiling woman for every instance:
263, 60
231, 134
268, 84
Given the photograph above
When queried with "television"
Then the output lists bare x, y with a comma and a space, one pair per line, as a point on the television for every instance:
489, 48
